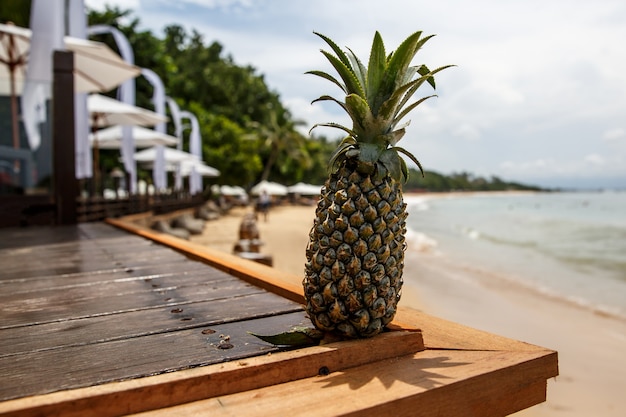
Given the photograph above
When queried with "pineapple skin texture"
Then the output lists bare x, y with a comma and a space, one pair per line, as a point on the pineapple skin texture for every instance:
355, 256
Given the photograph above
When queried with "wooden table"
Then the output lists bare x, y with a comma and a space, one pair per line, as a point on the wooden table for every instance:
95, 320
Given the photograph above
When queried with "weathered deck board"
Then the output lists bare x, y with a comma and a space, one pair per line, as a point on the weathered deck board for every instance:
98, 329
72, 258
79, 366
19, 285
79, 302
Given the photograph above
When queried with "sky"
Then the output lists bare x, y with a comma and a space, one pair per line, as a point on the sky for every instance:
538, 93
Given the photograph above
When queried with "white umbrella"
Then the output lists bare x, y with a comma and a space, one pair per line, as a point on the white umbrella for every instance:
96, 66
105, 111
233, 190
305, 189
272, 188
171, 155
186, 168
111, 138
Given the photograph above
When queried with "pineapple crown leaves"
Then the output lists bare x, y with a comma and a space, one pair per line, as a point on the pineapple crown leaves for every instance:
376, 99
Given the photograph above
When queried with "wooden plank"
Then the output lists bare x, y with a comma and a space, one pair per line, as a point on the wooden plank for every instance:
257, 274
56, 305
79, 366
132, 324
429, 383
216, 380
16, 237
119, 273
82, 257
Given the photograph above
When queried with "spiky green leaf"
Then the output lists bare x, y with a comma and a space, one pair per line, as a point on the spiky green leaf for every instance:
405, 170
429, 76
359, 69
391, 138
363, 121
375, 71
408, 109
297, 337
334, 125
391, 107
346, 144
423, 70
351, 83
329, 98
329, 78
411, 157
336, 49
402, 56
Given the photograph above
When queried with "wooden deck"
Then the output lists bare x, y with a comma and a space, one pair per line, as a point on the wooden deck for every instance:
98, 320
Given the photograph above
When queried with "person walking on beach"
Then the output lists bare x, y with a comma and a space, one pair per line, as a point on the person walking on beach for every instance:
264, 203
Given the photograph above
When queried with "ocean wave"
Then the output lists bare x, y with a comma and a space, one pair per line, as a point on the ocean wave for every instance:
417, 202
420, 242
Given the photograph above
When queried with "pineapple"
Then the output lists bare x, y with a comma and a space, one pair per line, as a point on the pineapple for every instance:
355, 255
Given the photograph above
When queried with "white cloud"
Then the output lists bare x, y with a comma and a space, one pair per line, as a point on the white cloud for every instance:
467, 131
121, 4
614, 134
595, 159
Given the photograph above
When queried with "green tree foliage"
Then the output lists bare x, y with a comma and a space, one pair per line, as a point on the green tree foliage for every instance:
463, 181
15, 11
232, 103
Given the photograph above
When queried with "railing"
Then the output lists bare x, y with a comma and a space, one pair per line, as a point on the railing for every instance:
97, 208
28, 210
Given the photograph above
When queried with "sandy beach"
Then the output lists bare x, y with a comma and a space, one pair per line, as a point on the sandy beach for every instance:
591, 346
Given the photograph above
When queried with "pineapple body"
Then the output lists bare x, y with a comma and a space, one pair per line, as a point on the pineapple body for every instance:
355, 255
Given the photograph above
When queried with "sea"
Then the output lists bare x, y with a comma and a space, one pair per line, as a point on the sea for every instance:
570, 246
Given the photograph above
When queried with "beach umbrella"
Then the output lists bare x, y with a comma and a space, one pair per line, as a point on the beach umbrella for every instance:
305, 189
175, 159
272, 188
188, 166
96, 66
171, 156
111, 138
105, 111
232, 190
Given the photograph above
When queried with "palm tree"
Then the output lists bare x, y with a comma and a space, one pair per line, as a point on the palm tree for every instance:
285, 144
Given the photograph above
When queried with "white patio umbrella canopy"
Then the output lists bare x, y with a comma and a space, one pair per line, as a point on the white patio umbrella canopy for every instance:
111, 138
186, 167
171, 155
305, 189
272, 188
105, 111
96, 66
233, 190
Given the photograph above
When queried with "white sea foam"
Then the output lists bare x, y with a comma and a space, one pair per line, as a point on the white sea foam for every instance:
417, 202
420, 242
